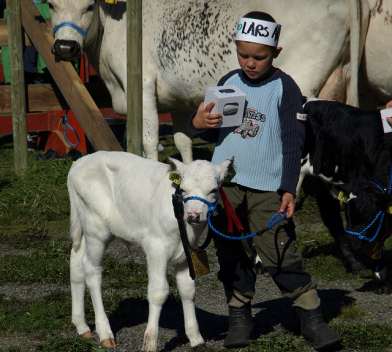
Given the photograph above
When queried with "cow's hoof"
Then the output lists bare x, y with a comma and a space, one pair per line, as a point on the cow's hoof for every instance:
88, 335
199, 348
108, 343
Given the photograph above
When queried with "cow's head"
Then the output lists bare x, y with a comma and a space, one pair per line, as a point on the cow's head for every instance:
199, 182
363, 201
70, 20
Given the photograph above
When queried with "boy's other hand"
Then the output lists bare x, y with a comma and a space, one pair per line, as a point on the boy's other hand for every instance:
204, 118
287, 204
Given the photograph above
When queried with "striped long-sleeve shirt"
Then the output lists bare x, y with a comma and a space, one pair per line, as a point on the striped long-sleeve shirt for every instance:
267, 146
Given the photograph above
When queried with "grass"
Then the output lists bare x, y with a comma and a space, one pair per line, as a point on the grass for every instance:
352, 312
360, 336
37, 316
40, 196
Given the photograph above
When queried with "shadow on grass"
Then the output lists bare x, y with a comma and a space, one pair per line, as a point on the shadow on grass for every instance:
280, 311
131, 312
4, 184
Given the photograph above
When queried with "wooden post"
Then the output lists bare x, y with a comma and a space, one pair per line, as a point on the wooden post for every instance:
17, 86
3, 33
134, 77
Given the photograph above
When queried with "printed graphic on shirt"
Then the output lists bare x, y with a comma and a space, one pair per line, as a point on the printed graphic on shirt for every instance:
252, 124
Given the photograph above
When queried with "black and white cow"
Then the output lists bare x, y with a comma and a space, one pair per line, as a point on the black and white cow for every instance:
348, 148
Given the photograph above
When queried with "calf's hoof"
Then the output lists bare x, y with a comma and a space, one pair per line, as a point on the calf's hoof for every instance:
199, 348
108, 343
88, 335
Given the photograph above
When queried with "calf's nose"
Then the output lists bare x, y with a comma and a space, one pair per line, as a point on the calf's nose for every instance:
193, 218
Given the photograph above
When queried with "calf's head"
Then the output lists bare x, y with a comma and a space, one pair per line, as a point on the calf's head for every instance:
364, 200
70, 20
200, 181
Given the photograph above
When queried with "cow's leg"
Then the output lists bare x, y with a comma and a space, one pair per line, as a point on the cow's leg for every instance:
150, 119
158, 290
335, 86
93, 270
305, 170
78, 286
186, 288
119, 100
330, 215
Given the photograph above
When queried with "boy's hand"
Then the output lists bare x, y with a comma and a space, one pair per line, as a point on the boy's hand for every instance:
205, 119
287, 204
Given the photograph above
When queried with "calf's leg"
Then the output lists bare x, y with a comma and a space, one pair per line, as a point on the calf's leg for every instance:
157, 292
78, 286
93, 270
186, 288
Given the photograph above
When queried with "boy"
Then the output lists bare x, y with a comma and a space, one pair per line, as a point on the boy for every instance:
267, 164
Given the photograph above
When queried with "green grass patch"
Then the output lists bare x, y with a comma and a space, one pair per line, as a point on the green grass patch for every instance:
47, 263
71, 344
327, 267
35, 198
124, 275
352, 312
278, 342
362, 336
48, 313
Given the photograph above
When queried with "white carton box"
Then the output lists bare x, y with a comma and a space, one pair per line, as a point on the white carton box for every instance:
385, 124
229, 102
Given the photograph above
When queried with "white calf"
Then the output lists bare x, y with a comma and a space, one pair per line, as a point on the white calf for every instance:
123, 195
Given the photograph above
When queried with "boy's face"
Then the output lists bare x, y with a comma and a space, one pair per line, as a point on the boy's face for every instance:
255, 59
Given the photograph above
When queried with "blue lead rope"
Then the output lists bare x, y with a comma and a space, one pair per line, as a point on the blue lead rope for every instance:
379, 216
275, 219
360, 234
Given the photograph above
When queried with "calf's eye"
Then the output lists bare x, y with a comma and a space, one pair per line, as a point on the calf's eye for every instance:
215, 190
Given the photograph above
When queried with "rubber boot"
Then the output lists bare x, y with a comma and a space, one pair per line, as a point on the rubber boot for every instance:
316, 330
240, 327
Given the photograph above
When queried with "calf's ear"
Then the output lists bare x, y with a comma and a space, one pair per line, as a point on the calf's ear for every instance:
176, 165
342, 193
224, 168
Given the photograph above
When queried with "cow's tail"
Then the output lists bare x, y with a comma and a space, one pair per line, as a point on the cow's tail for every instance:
359, 18
75, 224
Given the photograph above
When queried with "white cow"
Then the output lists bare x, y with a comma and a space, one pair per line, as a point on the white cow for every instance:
121, 194
377, 57
188, 45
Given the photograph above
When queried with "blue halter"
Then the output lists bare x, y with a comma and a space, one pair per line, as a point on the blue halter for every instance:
272, 222
378, 217
72, 25
211, 205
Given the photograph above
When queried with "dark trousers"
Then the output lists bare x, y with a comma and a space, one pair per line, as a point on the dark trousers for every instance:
276, 249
